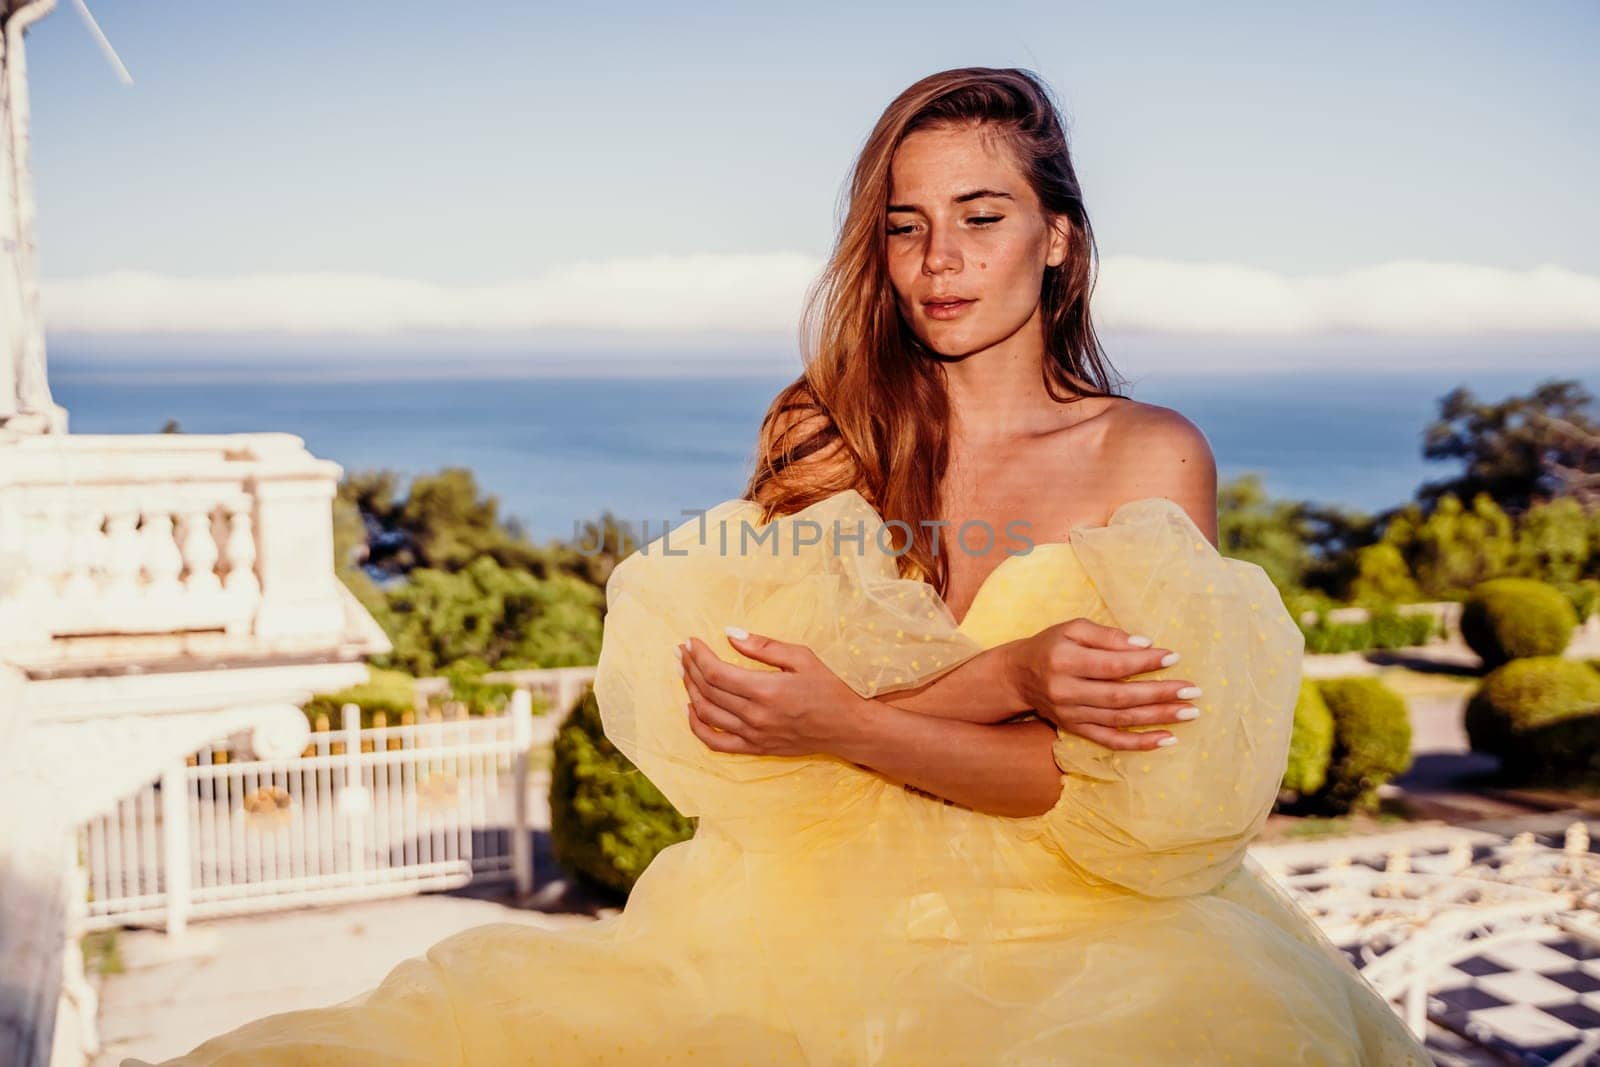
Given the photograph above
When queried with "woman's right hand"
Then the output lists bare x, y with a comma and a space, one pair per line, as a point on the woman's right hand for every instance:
1071, 674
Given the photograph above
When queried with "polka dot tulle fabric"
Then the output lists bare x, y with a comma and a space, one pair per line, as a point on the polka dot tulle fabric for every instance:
823, 915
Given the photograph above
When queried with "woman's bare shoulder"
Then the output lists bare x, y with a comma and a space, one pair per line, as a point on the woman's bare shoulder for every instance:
1136, 424
1152, 450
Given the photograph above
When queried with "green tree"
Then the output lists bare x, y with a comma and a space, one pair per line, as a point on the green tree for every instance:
1454, 548
1518, 451
596, 549
447, 523
1334, 538
1257, 529
1552, 541
486, 614
444, 522
1592, 568
1382, 576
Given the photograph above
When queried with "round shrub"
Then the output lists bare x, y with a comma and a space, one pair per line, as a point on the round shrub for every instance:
607, 820
1371, 741
1311, 745
1541, 716
1504, 619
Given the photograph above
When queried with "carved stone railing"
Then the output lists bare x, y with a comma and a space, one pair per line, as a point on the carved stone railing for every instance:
106, 535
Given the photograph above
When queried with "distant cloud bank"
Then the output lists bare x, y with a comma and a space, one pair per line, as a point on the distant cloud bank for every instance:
1401, 297
762, 293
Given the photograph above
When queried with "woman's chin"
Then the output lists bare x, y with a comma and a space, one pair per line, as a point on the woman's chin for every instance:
952, 344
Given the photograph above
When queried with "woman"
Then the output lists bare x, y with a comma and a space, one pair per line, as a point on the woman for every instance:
940, 819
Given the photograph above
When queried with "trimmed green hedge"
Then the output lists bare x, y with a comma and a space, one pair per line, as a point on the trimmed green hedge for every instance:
1385, 628
1508, 618
607, 820
1311, 746
1541, 716
1371, 741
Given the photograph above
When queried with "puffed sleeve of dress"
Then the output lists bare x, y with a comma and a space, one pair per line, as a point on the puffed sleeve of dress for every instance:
820, 577
1177, 820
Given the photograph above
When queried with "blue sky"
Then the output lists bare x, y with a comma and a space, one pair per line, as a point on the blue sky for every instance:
387, 170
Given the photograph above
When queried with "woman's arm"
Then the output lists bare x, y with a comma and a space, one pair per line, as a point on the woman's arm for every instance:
803, 707
1005, 769
978, 690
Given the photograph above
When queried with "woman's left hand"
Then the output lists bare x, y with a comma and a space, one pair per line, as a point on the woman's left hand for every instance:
800, 709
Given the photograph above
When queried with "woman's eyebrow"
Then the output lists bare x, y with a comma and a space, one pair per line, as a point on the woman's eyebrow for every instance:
976, 194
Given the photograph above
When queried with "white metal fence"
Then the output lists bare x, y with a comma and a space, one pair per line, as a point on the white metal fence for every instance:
365, 813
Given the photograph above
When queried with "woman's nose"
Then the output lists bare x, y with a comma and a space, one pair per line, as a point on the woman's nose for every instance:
943, 253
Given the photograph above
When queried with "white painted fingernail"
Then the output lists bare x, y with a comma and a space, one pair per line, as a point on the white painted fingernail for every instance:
734, 631
677, 650
1190, 712
1139, 641
1189, 692
1166, 742
1169, 659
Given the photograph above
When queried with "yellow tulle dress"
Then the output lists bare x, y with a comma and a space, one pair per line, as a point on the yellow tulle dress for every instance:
824, 915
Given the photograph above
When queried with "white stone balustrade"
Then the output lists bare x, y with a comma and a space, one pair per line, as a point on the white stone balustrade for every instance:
165, 534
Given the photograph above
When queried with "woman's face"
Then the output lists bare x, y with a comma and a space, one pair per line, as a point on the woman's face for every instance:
968, 240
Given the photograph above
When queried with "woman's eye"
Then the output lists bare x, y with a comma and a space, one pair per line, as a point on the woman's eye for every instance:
978, 220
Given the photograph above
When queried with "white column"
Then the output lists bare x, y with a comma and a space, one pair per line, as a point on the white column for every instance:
294, 556
175, 845
11, 324
521, 830
30, 385
354, 801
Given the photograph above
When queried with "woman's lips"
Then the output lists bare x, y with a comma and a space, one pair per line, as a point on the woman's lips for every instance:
948, 309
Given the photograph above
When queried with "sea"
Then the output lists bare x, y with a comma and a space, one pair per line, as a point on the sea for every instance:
556, 451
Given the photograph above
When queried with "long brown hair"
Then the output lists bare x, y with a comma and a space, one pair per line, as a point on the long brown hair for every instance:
870, 410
